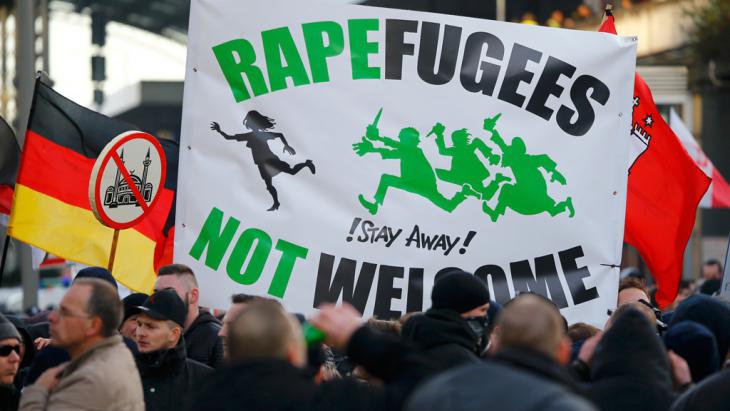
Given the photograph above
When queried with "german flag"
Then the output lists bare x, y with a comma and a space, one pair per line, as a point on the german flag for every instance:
51, 207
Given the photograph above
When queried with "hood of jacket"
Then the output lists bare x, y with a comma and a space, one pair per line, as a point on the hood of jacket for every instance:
204, 317
712, 313
438, 327
161, 362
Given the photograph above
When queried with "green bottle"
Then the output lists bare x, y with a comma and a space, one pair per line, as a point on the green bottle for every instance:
312, 334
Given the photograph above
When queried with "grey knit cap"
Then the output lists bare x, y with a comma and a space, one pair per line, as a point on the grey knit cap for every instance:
7, 329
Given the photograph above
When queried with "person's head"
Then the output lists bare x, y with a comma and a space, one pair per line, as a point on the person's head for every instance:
10, 345
89, 312
238, 301
630, 290
460, 137
409, 136
263, 330
461, 292
257, 121
517, 146
160, 322
180, 278
712, 270
131, 311
98, 273
634, 305
532, 322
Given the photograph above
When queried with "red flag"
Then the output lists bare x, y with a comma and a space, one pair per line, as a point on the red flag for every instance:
665, 186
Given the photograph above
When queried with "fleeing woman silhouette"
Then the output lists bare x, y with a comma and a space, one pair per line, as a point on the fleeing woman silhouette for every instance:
258, 141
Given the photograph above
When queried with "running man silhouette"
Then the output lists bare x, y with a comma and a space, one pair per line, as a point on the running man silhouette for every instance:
466, 167
258, 141
528, 194
417, 175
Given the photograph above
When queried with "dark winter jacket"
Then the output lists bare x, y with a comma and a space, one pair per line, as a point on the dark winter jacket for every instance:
202, 342
9, 397
169, 378
277, 385
443, 336
713, 393
630, 369
538, 364
712, 313
493, 386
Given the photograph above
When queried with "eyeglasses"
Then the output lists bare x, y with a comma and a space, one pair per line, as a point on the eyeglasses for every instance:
5, 350
62, 312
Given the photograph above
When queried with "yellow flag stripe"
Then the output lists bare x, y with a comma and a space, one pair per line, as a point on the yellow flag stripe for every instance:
74, 233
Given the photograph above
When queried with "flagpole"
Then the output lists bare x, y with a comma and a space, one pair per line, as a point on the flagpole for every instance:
4, 258
113, 252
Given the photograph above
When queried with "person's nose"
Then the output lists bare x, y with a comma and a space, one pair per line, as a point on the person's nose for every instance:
14, 357
53, 316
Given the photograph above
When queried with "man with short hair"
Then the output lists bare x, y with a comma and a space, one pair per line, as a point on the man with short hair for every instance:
131, 305
10, 347
631, 290
101, 374
238, 301
201, 328
533, 338
268, 355
168, 376
712, 270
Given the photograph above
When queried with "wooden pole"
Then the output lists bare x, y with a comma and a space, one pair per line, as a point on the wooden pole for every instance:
113, 252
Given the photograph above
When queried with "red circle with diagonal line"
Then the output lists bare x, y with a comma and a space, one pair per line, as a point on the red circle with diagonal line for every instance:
119, 197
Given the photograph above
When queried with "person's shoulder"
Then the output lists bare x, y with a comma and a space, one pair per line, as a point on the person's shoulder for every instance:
198, 368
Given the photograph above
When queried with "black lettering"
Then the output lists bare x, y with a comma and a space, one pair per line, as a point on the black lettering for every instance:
500, 289
472, 63
548, 86
427, 53
328, 290
545, 279
574, 276
414, 303
517, 73
386, 292
396, 47
599, 93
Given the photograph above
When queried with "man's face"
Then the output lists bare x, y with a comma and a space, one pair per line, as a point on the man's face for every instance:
172, 282
711, 272
70, 325
9, 363
631, 295
231, 314
129, 327
152, 335
480, 311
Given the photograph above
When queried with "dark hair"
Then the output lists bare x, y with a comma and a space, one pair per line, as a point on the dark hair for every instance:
103, 303
713, 261
632, 282
581, 331
256, 120
242, 298
178, 270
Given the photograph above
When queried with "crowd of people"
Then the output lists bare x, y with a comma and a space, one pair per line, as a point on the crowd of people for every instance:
165, 352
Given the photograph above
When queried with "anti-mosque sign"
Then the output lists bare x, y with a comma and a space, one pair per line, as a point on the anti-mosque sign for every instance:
337, 152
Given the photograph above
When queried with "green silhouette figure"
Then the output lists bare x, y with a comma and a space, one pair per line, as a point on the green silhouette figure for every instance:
417, 174
466, 167
528, 194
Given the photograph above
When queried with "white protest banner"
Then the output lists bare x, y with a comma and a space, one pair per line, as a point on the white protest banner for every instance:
336, 152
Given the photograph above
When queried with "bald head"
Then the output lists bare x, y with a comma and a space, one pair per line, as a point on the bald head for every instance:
264, 330
531, 322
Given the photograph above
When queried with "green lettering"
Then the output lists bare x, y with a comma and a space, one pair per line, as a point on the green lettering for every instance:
236, 58
279, 48
289, 254
316, 49
214, 239
360, 48
258, 258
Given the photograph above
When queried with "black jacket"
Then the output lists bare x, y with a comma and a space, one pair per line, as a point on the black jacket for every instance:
169, 378
443, 336
537, 363
630, 369
493, 386
277, 385
202, 342
712, 394
9, 398
710, 312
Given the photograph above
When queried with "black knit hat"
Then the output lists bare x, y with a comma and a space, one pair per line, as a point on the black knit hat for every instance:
131, 304
7, 329
459, 291
97, 272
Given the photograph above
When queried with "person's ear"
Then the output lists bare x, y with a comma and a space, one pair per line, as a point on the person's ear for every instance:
564, 350
95, 328
174, 336
194, 295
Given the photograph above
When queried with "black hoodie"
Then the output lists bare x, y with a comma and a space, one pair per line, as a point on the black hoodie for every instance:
443, 336
631, 369
202, 342
713, 314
